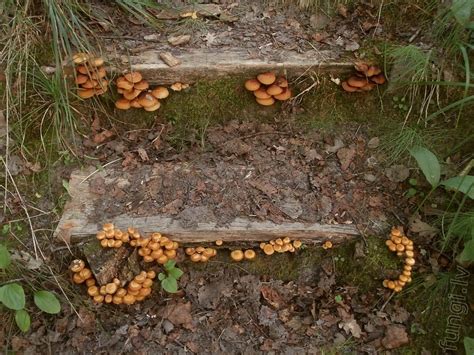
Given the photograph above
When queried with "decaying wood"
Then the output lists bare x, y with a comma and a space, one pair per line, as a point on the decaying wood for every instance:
211, 64
78, 213
169, 59
77, 224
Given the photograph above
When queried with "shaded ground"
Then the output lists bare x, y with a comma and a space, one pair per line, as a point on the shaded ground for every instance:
314, 301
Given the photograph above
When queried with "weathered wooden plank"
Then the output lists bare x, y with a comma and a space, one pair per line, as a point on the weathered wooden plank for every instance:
198, 64
76, 224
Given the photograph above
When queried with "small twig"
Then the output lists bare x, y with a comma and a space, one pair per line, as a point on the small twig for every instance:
387, 301
315, 83
378, 19
97, 170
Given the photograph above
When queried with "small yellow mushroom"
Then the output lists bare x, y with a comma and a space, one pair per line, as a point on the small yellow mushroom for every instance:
268, 249
249, 254
237, 255
219, 242
77, 265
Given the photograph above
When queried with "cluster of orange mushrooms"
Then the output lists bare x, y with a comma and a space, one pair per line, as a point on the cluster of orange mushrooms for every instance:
200, 254
116, 292
366, 78
267, 88
136, 93
327, 245
153, 248
280, 245
399, 243
90, 75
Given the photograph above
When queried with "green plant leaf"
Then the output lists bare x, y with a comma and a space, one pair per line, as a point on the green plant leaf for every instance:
5, 229
462, 11
161, 276
22, 319
428, 164
170, 264
465, 184
5, 259
175, 272
13, 296
170, 285
47, 302
469, 345
467, 255
410, 192
66, 186
338, 298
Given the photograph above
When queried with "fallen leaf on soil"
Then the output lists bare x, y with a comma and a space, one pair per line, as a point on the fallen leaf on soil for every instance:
143, 154
373, 142
267, 188
352, 327
272, 297
36, 167
318, 21
352, 46
95, 125
267, 316
178, 40
397, 173
345, 156
342, 10
86, 320
291, 207
179, 314
416, 225
395, 336
210, 38
338, 144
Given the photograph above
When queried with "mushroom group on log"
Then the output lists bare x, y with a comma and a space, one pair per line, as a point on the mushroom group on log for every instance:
136, 93
116, 292
366, 78
90, 75
267, 88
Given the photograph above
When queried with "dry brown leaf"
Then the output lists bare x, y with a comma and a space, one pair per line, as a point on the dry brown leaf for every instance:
423, 229
395, 336
272, 297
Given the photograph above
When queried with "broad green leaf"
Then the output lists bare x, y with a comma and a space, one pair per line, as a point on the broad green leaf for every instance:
47, 302
175, 272
462, 11
469, 345
170, 285
465, 184
5, 259
22, 319
428, 164
170, 264
467, 255
161, 276
13, 296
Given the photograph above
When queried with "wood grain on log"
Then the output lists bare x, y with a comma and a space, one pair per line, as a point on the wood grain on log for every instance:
76, 223
212, 64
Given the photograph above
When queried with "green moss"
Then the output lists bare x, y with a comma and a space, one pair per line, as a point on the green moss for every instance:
284, 266
367, 272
